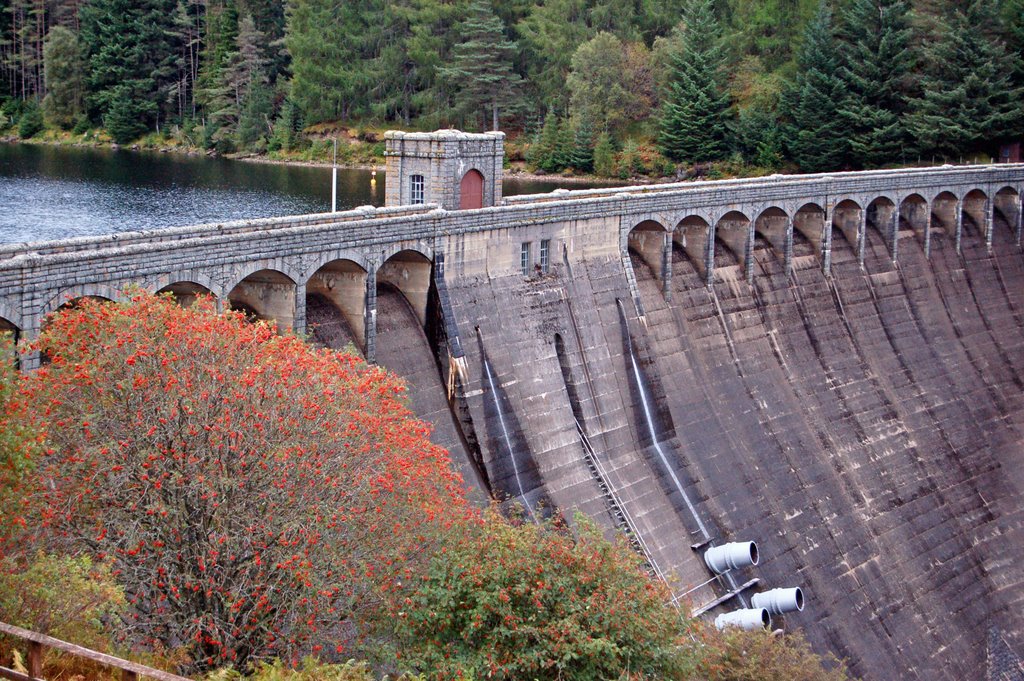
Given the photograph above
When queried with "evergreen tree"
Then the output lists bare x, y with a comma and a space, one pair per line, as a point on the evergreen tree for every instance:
331, 45
550, 35
564, 146
547, 143
132, 48
582, 158
815, 135
604, 156
693, 123
969, 102
65, 77
877, 65
481, 65
286, 127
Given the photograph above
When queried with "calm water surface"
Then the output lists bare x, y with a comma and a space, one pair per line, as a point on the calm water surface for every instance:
56, 192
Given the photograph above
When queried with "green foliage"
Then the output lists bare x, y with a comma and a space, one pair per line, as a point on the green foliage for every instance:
876, 67
582, 158
735, 655
31, 122
310, 670
532, 602
815, 134
481, 67
70, 598
599, 83
132, 48
968, 98
604, 156
693, 125
125, 114
65, 77
758, 138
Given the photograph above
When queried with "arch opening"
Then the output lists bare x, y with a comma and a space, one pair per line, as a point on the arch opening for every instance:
733, 232
808, 229
647, 240
185, 293
690, 239
409, 272
10, 329
266, 295
771, 229
1005, 216
336, 305
471, 190
846, 218
882, 217
944, 217
974, 214
913, 217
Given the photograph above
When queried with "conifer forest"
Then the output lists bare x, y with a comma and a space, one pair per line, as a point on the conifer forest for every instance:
603, 86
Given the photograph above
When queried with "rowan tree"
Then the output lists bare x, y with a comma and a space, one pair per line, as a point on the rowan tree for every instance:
252, 493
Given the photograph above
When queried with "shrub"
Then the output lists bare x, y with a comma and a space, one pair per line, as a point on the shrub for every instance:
251, 492
31, 122
531, 601
66, 597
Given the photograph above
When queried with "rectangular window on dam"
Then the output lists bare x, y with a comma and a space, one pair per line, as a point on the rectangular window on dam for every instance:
524, 258
545, 255
416, 182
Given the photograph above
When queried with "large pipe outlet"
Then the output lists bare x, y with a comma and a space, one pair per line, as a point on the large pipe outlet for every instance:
779, 601
737, 554
747, 619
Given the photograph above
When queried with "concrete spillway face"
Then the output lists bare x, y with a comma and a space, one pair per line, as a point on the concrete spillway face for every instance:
327, 327
511, 470
651, 432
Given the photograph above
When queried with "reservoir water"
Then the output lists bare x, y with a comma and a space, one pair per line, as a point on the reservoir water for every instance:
51, 192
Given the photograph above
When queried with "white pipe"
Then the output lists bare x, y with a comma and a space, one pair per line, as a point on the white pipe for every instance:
748, 619
738, 554
780, 601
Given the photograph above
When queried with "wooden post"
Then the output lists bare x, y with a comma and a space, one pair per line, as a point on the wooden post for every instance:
35, 659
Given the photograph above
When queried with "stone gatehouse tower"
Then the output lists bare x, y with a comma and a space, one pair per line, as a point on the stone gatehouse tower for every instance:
453, 169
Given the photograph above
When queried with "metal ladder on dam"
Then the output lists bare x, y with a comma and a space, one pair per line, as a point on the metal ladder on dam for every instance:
617, 508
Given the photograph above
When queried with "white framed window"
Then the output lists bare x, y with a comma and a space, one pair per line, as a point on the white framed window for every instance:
545, 255
524, 258
416, 188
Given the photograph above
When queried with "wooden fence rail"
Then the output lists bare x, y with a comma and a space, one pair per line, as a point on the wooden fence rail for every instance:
130, 671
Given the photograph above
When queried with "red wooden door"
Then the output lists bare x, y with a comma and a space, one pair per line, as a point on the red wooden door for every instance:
472, 190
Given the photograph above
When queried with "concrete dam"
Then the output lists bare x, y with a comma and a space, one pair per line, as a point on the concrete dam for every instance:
831, 366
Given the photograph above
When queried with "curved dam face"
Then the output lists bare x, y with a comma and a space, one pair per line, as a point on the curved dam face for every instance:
864, 427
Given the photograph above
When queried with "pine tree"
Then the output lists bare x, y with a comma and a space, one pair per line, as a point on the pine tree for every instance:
564, 146
877, 65
65, 77
481, 65
546, 146
604, 156
582, 158
132, 48
815, 136
331, 44
969, 102
693, 123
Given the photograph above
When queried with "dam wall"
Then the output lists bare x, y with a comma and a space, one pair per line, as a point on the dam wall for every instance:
863, 426
829, 365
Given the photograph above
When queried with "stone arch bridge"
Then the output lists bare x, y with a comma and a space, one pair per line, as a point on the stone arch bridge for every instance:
270, 267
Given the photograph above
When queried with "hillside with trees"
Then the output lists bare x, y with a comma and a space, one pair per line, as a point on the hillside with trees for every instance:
802, 85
